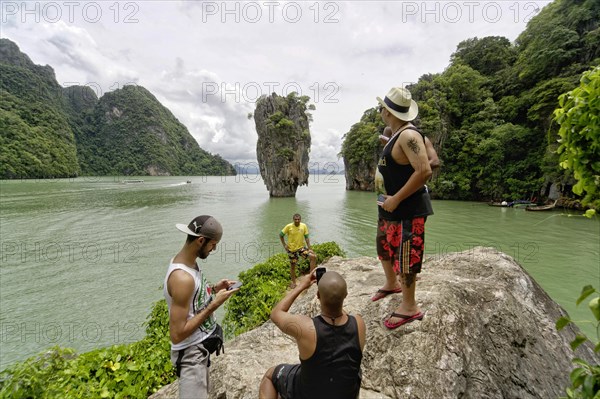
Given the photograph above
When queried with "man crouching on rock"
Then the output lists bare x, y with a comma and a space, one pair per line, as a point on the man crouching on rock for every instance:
192, 303
330, 346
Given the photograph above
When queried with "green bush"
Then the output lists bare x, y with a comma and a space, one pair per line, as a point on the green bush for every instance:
264, 286
579, 135
121, 371
585, 378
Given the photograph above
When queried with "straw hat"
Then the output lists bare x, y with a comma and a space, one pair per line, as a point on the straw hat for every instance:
400, 104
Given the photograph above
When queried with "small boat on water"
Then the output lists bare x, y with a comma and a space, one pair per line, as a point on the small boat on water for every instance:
189, 182
513, 204
132, 181
546, 207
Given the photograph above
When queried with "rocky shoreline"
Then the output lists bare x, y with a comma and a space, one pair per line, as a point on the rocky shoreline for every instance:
489, 331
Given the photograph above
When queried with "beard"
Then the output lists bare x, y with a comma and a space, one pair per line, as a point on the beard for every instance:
202, 252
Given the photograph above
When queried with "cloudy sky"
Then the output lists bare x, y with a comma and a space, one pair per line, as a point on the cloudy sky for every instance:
208, 61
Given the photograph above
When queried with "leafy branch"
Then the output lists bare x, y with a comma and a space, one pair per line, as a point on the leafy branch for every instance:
585, 378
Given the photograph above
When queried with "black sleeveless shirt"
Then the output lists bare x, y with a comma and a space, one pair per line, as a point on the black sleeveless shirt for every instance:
333, 371
395, 177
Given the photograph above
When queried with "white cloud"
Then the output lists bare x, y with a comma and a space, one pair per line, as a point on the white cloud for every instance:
209, 72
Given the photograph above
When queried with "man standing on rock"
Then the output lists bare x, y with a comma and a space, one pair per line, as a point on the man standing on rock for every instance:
330, 346
402, 172
192, 303
297, 233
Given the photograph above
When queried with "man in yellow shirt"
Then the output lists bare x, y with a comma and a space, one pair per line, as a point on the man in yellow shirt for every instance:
297, 233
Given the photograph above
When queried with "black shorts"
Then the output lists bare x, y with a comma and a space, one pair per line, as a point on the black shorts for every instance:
284, 379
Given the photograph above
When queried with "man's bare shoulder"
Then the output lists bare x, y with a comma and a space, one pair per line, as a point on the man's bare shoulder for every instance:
360, 321
295, 325
410, 133
180, 282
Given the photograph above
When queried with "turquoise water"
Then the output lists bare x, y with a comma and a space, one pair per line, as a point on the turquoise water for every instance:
82, 260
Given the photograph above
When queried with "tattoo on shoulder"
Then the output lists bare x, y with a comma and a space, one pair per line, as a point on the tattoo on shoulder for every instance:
413, 145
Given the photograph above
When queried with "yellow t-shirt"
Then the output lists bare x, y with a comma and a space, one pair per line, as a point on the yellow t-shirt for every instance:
295, 235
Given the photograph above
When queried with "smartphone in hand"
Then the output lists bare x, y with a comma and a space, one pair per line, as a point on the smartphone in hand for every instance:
234, 286
380, 199
320, 272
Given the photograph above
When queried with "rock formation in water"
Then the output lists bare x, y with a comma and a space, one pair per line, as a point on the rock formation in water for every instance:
283, 143
361, 150
488, 332
360, 176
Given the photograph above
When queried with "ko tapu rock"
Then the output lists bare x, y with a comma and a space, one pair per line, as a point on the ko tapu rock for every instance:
488, 332
283, 142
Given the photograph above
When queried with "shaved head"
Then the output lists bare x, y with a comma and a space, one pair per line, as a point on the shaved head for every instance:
332, 290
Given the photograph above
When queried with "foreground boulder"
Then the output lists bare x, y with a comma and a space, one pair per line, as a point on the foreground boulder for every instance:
488, 332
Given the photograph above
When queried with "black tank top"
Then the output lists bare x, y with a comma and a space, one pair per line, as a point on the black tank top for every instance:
333, 371
395, 177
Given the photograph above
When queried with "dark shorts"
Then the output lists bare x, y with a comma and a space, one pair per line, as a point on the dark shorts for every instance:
297, 253
283, 378
402, 242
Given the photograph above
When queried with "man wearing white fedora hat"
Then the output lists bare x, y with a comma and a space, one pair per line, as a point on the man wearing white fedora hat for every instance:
402, 172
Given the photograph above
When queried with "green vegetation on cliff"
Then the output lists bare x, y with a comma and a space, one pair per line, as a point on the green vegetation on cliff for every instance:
36, 139
578, 117
50, 131
135, 135
283, 145
360, 150
489, 114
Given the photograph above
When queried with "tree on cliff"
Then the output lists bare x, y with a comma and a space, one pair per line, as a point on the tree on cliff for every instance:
360, 151
282, 124
580, 136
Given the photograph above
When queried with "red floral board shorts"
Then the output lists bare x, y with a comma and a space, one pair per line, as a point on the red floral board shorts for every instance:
402, 242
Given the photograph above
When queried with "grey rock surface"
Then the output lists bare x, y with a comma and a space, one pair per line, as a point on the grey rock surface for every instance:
489, 332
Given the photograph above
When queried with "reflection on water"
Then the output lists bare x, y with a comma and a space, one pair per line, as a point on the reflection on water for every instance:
82, 260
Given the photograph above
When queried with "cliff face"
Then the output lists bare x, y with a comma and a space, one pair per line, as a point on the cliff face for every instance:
283, 143
50, 131
488, 332
361, 150
36, 139
360, 176
135, 134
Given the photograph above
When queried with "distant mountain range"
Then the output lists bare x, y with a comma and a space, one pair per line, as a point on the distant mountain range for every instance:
252, 169
50, 131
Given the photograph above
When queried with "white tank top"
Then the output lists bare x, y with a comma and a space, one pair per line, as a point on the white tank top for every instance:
200, 300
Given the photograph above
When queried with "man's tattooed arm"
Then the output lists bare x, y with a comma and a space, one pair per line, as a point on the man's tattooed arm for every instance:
414, 147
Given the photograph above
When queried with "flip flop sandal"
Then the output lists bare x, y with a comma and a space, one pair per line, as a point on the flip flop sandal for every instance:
404, 319
381, 293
